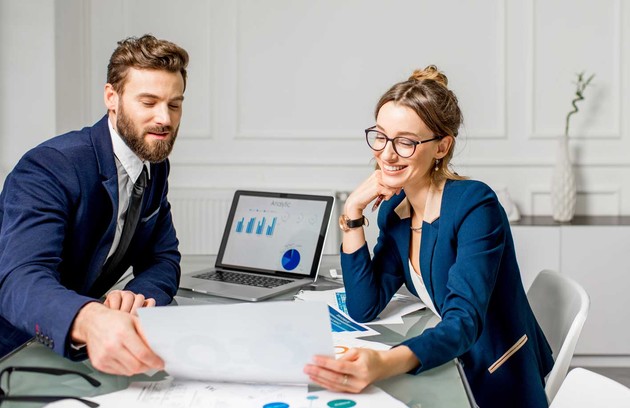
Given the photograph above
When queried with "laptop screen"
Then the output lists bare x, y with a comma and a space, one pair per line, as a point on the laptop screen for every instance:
275, 233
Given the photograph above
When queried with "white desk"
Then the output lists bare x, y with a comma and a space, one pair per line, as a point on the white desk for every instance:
439, 387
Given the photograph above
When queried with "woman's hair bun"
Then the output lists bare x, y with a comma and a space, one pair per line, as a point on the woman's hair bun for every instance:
431, 72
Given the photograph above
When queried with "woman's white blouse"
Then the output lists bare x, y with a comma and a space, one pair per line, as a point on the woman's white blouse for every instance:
421, 289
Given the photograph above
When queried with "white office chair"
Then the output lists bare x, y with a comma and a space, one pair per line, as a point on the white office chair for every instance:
560, 305
583, 388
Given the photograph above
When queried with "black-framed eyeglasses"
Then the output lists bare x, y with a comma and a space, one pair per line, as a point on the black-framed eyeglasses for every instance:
6, 372
403, 146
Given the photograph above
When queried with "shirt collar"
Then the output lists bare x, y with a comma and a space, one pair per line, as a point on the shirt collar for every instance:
127, 158
431, 207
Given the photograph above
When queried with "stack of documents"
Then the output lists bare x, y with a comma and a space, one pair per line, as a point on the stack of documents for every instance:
399, 306
346, 331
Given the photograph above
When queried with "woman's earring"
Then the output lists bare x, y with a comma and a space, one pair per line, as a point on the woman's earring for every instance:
437, 165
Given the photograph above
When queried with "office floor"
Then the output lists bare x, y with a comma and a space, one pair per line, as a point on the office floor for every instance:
619, 374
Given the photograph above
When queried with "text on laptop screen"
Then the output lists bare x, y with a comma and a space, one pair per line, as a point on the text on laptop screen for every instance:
276, 234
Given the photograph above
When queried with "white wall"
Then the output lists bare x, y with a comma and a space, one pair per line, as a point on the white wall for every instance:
281, 90
27, 77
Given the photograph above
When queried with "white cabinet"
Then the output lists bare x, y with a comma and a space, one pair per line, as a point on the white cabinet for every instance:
598, 257
595, 251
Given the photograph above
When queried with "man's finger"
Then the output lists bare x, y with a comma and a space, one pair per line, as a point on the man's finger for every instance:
113, 300
138, 302
128, 300
150, 302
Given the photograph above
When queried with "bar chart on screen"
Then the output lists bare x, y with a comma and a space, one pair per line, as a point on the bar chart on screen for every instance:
256, 226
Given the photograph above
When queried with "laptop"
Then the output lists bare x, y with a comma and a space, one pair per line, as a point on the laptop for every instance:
272, 244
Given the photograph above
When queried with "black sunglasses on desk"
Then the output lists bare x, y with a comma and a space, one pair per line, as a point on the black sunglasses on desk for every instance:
6, 372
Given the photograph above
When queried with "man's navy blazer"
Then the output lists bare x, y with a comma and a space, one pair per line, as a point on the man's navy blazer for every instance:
58, 212
468, 264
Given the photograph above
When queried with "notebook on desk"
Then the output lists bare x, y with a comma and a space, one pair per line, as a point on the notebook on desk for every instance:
272, 244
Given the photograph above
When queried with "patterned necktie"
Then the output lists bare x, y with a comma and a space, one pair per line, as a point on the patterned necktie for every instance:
114, 268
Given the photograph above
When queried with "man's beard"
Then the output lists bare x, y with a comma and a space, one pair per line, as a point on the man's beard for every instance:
154, 152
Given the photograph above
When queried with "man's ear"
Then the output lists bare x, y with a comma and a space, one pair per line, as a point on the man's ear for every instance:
110, 96
444, 146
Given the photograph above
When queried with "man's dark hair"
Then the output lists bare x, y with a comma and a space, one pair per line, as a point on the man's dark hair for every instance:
146, 52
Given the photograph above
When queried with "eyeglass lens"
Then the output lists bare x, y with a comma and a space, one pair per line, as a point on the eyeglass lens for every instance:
403, 146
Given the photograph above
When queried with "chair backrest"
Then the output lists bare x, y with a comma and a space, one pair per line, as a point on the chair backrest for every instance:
560, 305
583, 388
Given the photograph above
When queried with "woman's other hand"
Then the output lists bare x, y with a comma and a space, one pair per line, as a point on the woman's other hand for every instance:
360, 367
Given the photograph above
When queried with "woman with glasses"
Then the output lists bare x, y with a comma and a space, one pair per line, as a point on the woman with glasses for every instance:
449, 241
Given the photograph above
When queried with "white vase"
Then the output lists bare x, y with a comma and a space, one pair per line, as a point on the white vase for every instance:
563, 187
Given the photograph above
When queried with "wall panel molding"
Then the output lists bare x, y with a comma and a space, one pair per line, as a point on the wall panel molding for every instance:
613, 132
607, 200
198, 39
263, 110
496, 132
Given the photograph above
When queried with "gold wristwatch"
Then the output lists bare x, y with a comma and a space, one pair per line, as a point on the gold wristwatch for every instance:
346, 224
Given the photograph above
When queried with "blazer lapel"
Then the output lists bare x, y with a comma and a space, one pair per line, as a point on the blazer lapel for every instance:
401, 230
430, 230
427, 248
102, 142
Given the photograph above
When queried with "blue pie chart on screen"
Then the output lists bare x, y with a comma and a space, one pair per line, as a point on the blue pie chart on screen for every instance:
290, 259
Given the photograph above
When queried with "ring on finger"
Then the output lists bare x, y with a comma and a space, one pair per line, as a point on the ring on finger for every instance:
345, 379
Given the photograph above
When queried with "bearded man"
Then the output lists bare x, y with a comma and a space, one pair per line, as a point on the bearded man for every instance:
81, 208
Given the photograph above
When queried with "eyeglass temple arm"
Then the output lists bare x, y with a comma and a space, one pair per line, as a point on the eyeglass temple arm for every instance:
46, 398
55, 371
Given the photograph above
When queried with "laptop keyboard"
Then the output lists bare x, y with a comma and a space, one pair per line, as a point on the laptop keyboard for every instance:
243, 279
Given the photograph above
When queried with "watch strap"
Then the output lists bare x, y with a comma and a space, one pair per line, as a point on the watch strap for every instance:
359, 222
346, 224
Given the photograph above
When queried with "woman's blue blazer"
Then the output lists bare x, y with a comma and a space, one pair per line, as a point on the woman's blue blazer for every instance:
468, 264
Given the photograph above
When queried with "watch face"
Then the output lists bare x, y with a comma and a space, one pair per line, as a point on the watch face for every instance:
343, 222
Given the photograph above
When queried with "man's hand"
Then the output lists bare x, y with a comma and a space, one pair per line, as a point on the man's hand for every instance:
114, 339
127, 301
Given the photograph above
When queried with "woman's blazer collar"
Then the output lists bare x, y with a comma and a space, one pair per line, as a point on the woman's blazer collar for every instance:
432, 205
430, 227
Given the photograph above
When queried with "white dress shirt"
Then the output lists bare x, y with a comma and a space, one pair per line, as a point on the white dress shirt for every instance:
128, 168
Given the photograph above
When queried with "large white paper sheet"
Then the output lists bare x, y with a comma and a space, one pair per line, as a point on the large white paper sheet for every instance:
193, 394
267, 342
